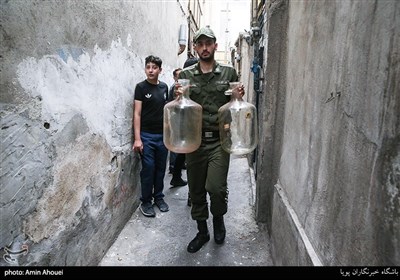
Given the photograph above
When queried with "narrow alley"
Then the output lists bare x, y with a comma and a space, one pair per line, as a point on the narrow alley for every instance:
162, 241
323, 185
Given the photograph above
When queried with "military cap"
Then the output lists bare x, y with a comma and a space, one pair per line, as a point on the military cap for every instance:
206, 31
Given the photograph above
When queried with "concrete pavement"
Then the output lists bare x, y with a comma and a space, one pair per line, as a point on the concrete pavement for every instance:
162, 241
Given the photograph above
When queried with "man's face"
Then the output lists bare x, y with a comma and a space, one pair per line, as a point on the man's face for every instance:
205, 48
152, 71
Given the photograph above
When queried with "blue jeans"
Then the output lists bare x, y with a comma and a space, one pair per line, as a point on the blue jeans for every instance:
154, 162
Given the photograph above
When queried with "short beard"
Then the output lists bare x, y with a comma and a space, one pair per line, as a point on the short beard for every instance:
207, 59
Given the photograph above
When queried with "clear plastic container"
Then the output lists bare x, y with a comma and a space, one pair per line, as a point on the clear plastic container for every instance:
182, 122
237, 123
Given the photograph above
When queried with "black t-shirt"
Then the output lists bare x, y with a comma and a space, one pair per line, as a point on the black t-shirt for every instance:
153, 99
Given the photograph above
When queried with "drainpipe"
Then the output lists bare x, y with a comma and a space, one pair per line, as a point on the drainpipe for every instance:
182, 38
255, 37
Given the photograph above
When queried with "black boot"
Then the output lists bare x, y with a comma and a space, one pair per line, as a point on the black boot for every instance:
219, 229
177, 182
202, 237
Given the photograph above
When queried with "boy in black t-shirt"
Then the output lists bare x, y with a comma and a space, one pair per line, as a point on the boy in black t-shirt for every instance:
150, 98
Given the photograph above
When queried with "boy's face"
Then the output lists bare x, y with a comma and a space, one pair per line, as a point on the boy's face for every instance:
152, 71
176, 77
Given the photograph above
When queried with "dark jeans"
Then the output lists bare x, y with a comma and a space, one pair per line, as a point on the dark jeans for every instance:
172, 159
154, 162
179, 163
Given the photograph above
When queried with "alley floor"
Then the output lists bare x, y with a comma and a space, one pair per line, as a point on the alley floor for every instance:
162, 241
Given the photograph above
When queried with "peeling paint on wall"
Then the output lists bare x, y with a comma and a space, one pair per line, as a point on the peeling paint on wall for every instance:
69, 180
99, 87
74, 171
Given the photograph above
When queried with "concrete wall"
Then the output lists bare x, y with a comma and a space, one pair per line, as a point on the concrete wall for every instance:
69, 180
330, 159
243, 68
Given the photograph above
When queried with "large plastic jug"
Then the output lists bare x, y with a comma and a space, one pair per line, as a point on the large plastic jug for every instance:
182, 122
237, 123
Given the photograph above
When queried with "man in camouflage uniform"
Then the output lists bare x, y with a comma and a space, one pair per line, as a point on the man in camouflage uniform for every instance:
207, 167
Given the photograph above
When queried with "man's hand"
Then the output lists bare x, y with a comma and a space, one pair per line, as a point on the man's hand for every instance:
239, 89
181, 86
